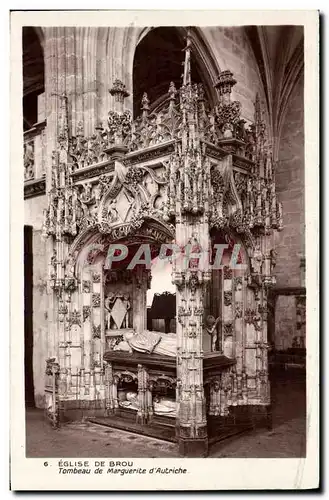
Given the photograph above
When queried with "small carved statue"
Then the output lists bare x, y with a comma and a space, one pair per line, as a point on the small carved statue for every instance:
53, 265
195, 250
273, 255
86, 195
112, 212
70, 265
108, 304
257, 260
126, 303
211, 328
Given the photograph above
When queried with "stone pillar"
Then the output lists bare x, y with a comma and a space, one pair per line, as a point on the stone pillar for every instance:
228, 325
191, 425
140, 278
85, 293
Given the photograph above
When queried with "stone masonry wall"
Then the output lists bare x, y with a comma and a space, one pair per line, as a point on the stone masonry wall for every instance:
290, 243
34, 217
290, 187
232, 51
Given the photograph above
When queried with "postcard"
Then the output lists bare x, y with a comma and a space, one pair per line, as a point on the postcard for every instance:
164, 250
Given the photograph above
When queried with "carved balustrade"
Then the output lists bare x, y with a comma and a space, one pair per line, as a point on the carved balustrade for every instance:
34, 152
35, 160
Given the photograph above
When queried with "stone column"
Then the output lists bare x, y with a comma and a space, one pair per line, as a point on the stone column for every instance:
191, 424
140, 278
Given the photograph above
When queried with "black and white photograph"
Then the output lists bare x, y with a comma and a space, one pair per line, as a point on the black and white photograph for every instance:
165, 257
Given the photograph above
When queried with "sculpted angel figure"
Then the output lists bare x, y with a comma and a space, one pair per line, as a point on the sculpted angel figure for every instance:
211, 328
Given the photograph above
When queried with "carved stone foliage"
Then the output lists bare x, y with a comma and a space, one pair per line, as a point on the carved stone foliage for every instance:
96, 331
119, 90
227, 298
228, 329
62, 311
227, 117
96, 299
86, 312
118, 276
238, 282
75, 318
250, 316
86, 286
228, 273
238, 310
119, 128
192, 331
96, 277
241, 181
87, 151
161, 382
52, 367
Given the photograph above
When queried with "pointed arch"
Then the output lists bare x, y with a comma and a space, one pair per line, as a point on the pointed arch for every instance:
33, 75
158, 60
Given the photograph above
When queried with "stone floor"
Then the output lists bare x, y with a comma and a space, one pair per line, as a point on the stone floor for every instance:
286, 439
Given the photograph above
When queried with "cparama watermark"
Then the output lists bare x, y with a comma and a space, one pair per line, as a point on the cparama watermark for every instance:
189, 256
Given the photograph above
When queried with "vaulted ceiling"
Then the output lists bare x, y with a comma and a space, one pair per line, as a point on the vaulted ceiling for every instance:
33, 62
279, 51
158, 60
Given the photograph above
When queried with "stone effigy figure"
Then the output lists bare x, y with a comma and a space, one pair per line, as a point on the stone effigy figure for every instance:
147, 342
162, 405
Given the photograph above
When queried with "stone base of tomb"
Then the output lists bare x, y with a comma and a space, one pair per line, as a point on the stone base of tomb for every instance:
240, 420
193, 448
161, 427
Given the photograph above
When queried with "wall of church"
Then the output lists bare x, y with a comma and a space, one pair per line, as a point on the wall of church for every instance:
232, 51
290, 245
90, 59
290, 188
33, 216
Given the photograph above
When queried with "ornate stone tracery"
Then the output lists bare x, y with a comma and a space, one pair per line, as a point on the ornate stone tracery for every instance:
216, 176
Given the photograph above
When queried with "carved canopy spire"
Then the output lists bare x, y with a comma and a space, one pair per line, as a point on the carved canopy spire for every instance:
224, 85
187, 62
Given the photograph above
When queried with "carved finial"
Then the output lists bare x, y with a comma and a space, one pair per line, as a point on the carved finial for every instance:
224, 84
119, 91
145, 103
201, 96
258, 120
63, 127
187, 62
79, 129
257, 115
172, 91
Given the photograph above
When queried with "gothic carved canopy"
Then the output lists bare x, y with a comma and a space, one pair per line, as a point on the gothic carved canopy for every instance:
187, 158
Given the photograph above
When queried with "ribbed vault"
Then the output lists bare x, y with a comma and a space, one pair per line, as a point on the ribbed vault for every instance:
279, 51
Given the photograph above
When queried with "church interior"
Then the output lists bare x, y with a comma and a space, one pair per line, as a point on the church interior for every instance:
143, 138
